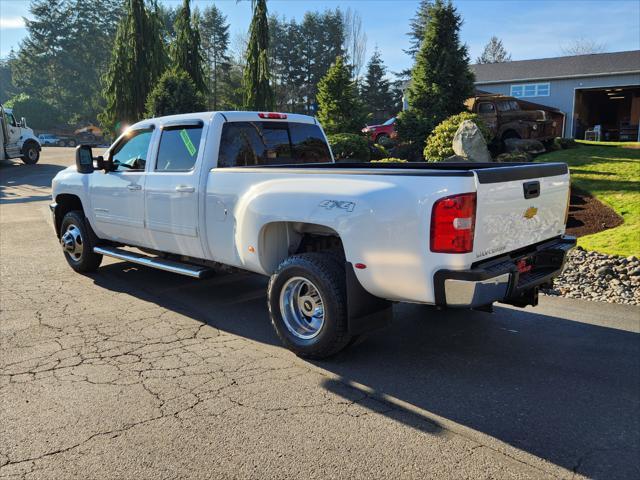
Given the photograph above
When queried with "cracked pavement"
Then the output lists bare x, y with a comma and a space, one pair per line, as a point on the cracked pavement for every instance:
135, 373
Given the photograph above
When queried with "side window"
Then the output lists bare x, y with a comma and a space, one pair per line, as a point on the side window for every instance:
486, 107
131, 153
9, 118
178, 148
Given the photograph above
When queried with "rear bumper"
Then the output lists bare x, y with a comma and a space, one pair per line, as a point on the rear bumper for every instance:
499, 280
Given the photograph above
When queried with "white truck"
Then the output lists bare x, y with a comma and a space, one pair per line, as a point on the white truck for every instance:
16, 139
341, 242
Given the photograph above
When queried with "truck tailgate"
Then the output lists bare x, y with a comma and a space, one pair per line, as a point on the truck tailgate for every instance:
518, 206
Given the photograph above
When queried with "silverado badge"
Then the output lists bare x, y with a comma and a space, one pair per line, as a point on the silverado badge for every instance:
530, 212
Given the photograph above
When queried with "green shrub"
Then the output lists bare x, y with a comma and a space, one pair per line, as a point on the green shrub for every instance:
349, 146
386, 141
175, 93
440, 142
377, 151
406, 151
389, 160
562, 143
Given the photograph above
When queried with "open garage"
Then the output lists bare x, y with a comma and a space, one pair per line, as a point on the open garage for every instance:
607, 114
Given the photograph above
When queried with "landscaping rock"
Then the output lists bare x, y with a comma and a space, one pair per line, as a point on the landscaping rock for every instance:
470, 144
599, 277
531, 146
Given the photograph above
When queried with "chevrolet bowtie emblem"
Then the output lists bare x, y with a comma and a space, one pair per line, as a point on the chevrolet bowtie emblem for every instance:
530, 212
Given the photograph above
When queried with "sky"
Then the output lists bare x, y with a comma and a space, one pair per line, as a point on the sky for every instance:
528, 28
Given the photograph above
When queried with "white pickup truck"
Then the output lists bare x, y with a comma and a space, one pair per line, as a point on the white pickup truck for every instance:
194, 193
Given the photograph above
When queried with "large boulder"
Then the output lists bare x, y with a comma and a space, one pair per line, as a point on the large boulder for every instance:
469, 143
528, 145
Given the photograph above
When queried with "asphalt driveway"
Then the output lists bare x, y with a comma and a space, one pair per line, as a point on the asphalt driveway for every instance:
135, 373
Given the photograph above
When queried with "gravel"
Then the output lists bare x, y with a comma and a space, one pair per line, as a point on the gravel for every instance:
599, 277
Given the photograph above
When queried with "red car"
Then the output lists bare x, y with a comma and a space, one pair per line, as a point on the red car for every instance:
377, 132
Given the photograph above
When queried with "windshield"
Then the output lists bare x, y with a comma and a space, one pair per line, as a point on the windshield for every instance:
390, 121
508, 105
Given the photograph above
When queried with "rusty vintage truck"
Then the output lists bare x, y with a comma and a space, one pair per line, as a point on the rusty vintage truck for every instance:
508, 117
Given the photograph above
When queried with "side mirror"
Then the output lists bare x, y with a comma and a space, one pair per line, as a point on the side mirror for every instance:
84, 159
23, 122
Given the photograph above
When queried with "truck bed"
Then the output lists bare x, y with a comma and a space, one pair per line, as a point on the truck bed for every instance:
486, 172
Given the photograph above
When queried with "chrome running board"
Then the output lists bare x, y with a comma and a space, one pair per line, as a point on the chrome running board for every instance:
194, 271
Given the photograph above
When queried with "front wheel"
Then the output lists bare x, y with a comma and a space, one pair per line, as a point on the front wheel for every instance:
308, 305
77, 243
30, 154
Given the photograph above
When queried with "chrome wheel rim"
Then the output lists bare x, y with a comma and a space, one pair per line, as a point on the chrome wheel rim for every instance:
32, 153
302, 308
72, 242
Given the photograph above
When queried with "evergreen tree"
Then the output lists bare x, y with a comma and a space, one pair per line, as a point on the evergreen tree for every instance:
494, 52
339, 108
137, 61
186, 53
418, 27
175, 93
257, 91
376, 89
214, 31
441, 80
62, 57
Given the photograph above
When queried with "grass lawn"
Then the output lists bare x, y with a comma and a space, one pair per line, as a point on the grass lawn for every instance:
611, 173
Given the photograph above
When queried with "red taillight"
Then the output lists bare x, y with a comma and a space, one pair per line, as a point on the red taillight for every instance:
272, 115
453, 220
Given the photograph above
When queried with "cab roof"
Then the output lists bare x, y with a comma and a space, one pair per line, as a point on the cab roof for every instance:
228, 116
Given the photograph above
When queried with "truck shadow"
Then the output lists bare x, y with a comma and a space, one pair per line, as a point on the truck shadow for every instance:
565, 391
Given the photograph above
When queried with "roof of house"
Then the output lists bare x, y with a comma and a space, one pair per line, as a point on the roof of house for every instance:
559, 67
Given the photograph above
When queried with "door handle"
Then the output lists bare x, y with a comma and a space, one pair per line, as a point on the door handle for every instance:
134, 186
185, 188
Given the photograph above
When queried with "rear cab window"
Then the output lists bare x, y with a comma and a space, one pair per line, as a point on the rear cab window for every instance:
244, 144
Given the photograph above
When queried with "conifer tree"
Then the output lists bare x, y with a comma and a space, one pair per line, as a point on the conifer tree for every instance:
257, 91
214, 31
339, 108
376, 89
137, 61
441, 80
494, 52
186, 51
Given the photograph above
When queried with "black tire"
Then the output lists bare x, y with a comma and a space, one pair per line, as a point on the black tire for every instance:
381, 138
327, 276
85, 260
30, 154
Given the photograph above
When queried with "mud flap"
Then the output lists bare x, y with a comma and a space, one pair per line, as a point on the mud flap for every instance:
366, 312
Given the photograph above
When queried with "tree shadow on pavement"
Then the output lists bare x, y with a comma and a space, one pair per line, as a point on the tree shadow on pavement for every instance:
21, 183
565, 391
